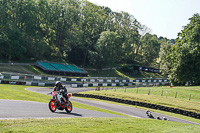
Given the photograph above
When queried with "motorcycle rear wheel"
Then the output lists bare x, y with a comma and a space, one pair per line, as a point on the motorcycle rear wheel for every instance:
69, 107
52, 105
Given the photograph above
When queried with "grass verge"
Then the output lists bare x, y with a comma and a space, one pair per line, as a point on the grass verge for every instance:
167, 100
18, 92
91, 125
95, 125
28, 69
152, 110
118, 73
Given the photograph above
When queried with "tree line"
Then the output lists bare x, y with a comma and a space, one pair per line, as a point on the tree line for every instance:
182, 60
83, 33
76, 31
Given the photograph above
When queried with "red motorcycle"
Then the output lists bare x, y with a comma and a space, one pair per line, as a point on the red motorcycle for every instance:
60, 102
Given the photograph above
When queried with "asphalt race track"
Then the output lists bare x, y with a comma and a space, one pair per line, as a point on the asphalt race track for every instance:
13, 109
134, 112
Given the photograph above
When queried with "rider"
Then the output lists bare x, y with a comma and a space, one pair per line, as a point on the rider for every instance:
149, 114
59, 87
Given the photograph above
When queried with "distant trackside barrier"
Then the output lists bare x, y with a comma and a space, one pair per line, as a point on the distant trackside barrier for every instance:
45, 80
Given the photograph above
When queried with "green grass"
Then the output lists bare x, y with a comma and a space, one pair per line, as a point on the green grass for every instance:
26, 69
168, 99
90, 125
83, 106
143, 74
152, 110
104, 73
95, 125
18, 92
165, 91
29, 69
118, 73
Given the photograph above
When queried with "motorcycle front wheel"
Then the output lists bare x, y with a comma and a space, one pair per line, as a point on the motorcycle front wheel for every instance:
69, 107
52, 105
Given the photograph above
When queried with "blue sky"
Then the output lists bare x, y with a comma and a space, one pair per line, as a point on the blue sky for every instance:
164, 17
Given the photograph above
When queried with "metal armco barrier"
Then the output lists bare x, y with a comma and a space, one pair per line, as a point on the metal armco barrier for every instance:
26, 83
27, 77
101, 84
117, 84
12, 82
29, 83
39, 80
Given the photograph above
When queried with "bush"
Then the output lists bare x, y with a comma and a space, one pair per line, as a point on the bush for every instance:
127, 69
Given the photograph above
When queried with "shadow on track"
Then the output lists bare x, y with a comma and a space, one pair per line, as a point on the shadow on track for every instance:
74, 114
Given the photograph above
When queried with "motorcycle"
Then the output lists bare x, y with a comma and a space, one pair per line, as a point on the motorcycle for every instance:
149, 114
59, 102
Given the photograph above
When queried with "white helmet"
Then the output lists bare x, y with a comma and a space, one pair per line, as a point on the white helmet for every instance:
58, 83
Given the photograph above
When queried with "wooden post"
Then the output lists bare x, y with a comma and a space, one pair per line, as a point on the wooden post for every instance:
137, 90
149, 92
125, 89
176, 95
162, 93
190, 97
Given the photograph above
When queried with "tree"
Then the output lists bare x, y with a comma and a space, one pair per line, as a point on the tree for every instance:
63, 18
69, 30
143, 30
163, 55
184, 55
12, 44
93, 19
150, 48
105, 50
127, 27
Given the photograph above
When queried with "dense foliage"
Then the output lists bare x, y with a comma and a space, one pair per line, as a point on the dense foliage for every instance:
83, 33
76, 31
181, 60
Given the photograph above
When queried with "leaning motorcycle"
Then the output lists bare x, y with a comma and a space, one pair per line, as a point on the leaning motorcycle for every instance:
149, 114
59, 102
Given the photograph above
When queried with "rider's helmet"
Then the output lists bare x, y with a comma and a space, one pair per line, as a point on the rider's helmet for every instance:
58, 83
147, 112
